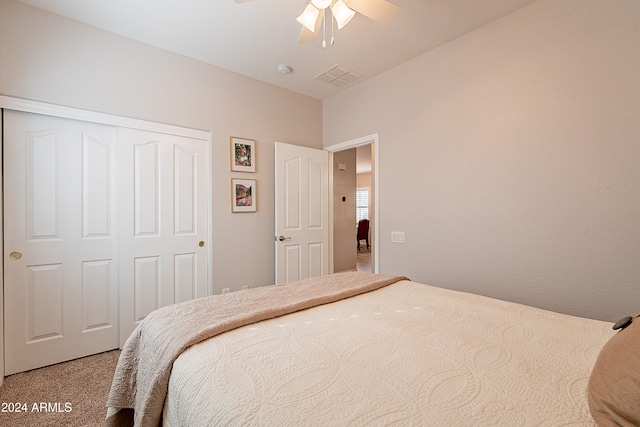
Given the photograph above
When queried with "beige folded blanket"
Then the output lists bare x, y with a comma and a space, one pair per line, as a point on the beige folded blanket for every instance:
141, 379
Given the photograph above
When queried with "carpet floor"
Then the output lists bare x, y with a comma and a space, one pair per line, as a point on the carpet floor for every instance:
70, 394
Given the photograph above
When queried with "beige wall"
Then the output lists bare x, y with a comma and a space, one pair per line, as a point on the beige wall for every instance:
363, 180
344, 212
52, 59
510, 158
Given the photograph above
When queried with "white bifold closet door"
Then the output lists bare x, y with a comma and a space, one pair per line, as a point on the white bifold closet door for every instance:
61, 273
162, 223
101, 226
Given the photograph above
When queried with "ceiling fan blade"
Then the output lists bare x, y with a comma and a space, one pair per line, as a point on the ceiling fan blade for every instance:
307, 36
379, 10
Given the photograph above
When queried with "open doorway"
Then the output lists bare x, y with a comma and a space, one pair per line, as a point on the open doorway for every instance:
355, 162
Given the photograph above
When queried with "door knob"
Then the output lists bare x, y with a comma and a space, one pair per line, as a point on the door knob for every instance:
15, 255
201, 244
282, 238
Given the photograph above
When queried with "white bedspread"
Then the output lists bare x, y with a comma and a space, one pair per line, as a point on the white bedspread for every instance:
406, 354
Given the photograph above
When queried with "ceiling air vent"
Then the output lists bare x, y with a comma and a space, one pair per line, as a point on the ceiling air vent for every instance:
338, 76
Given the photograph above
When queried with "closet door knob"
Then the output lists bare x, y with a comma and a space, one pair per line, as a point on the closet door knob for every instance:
201, 244
15, 255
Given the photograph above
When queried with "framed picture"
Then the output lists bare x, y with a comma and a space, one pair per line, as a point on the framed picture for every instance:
243, 195
243, 155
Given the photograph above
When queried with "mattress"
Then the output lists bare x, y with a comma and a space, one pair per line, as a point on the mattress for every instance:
405, 354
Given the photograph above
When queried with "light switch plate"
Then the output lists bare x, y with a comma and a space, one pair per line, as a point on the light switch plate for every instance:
397, 237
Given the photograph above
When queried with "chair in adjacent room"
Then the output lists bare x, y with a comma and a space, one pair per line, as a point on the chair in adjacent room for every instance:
363, 232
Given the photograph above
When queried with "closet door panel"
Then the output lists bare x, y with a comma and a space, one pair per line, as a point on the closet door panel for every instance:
60, 289
165, 192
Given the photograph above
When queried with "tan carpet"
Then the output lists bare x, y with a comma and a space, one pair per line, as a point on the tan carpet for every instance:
69, 394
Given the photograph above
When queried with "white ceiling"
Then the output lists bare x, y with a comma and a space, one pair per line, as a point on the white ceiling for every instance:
253, 38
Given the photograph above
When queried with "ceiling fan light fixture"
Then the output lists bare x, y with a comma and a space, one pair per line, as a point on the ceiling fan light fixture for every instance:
342, 13
308, 17
321, 4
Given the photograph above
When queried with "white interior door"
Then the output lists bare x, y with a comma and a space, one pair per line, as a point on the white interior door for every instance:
163, 223
60, 245
302, 212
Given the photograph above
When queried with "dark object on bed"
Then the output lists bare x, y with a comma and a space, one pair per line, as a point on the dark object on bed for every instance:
614, 385
623, 323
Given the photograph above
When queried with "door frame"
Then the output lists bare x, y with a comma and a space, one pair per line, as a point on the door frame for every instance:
374, 139
37, 107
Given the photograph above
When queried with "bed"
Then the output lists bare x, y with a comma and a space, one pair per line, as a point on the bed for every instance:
355, 349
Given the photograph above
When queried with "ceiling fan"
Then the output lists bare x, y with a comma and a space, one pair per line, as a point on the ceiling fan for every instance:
343, 11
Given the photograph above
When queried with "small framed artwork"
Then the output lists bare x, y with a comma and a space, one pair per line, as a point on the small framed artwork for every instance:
243, 195
243, 154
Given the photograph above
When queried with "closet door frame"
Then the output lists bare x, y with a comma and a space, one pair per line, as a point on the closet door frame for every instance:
17, 104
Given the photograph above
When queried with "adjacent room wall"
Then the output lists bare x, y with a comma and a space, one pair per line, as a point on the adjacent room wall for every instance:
52, 59
510, 158
344, 211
